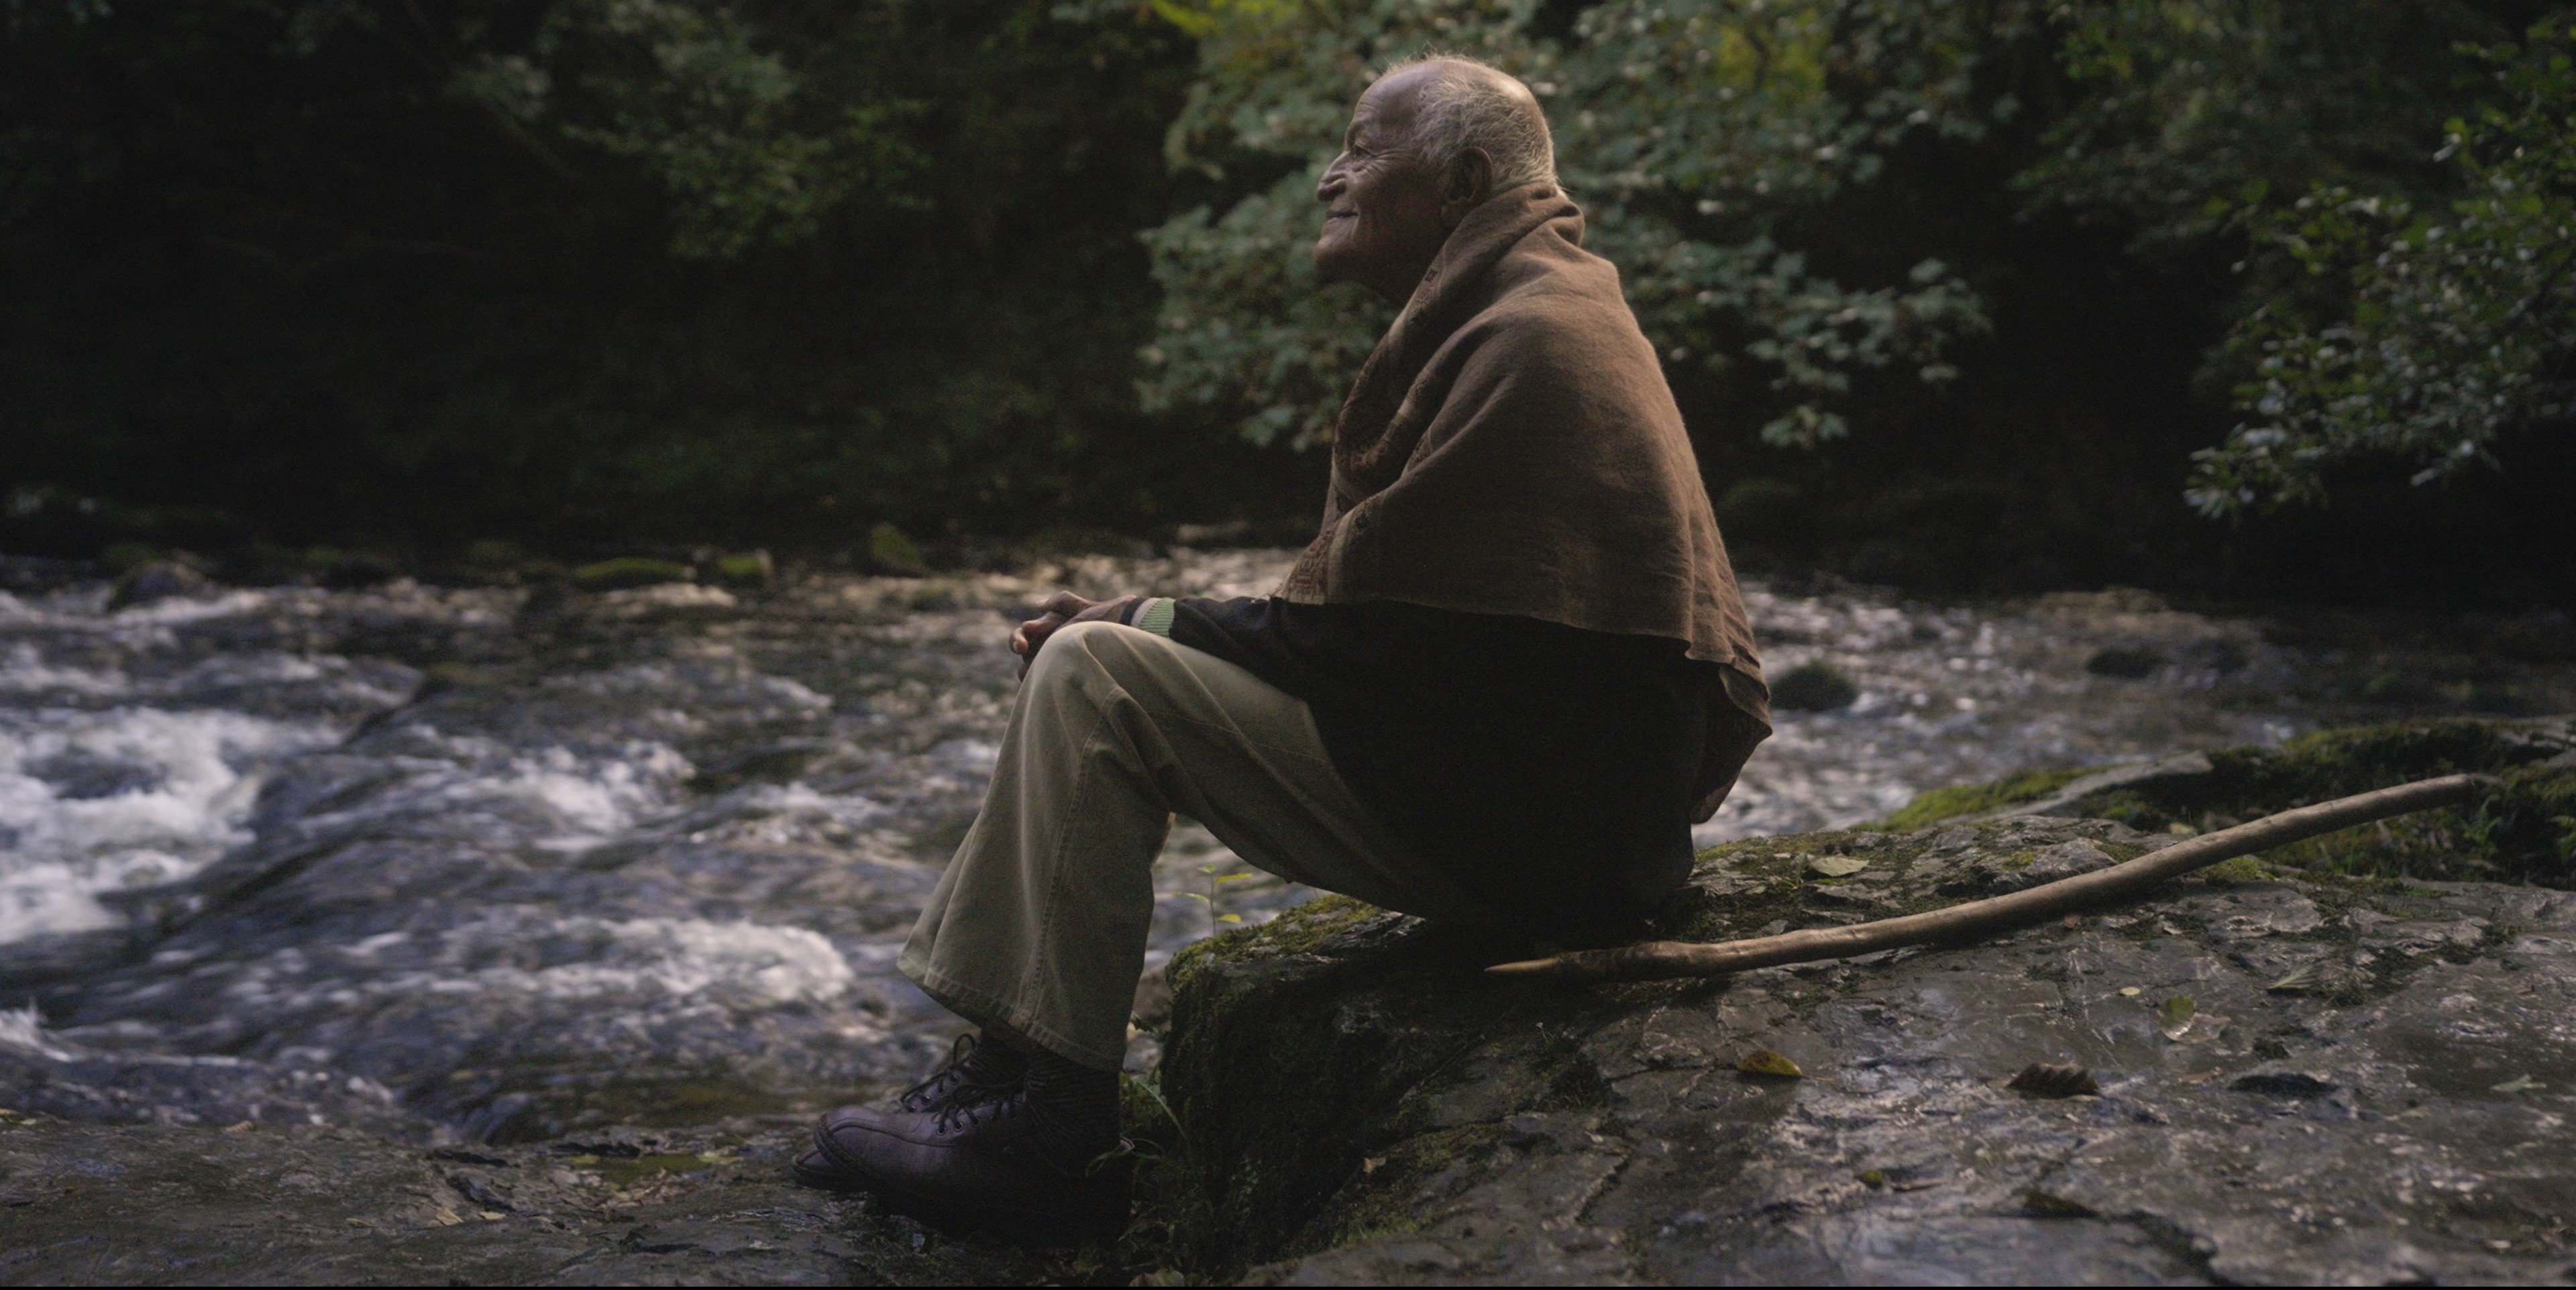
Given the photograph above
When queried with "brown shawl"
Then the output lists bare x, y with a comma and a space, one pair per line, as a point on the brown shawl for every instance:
1511, 448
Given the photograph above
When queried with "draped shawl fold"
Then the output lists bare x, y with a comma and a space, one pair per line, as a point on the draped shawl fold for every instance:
1511, 448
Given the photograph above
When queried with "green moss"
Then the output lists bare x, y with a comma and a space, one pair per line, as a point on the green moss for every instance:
2521, 829
1303, 930
628, 571
1389, 1199
2240, 869
1743, 887
1971, 799
1269, 1091
744, 569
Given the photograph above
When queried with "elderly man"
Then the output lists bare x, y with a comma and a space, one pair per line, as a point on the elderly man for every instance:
1497, 690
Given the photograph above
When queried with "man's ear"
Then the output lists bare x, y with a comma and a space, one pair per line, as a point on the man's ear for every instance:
1469, 182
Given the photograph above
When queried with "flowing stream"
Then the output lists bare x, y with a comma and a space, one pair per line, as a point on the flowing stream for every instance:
477, 864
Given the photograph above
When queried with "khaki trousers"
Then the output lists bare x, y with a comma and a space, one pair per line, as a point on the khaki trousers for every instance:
1039, 924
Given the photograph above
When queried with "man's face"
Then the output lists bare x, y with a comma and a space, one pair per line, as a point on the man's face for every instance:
1382, 196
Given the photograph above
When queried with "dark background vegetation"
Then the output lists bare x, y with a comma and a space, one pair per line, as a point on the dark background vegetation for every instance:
597, 276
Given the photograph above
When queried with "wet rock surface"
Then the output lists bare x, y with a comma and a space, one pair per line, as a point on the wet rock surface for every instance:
2337, 1080
305, 1205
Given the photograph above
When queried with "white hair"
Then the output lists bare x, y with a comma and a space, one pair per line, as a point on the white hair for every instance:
1458, 110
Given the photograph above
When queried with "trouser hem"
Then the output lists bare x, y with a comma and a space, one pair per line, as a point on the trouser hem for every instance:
984, 1008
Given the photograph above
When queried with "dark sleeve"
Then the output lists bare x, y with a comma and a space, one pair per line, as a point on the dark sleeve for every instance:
1276, 640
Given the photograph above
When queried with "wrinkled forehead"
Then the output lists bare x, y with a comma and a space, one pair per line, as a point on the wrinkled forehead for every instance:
1387, 106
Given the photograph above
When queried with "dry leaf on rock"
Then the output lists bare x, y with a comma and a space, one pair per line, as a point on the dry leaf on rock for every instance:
1763, 1061
1837, 866
2174, 1016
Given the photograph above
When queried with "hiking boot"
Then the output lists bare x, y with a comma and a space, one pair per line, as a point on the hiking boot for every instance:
977, 1071
1042, 1161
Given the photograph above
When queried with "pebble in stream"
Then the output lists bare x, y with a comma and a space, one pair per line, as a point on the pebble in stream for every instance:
464, 864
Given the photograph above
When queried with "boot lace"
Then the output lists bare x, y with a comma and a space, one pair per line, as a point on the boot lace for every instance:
971, 1077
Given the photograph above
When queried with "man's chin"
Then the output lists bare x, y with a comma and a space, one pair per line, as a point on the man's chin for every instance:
1332, 260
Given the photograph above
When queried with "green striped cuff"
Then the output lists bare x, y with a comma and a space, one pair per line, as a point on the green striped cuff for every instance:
1155, 615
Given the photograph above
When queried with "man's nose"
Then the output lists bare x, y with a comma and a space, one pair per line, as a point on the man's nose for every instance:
1330, 186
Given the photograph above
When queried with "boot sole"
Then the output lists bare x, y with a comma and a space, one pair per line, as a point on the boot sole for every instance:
1010, 1222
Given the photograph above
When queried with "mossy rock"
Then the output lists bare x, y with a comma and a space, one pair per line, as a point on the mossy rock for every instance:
1290, 1072
892, 550
748, 569
2126, 662
1971, 799
629, 571
2521, 829
1814, 687
1353, 1102
158, 580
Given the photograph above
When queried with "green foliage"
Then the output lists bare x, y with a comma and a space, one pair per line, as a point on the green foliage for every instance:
1244, 323
597, 275
2178, 110
2453, 327
1694, 132
583, 274
1724, 151
747, 151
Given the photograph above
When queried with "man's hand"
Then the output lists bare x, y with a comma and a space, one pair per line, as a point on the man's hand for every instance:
1061, 608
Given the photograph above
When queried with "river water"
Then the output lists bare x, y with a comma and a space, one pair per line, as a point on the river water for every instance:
476, 864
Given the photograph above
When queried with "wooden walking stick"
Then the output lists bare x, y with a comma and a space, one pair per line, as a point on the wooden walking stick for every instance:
1664, 960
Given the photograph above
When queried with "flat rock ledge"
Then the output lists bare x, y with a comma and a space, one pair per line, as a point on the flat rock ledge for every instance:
262, 1204
2330, 1080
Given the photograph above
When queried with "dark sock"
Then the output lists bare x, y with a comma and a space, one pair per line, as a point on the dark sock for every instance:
1080, 1103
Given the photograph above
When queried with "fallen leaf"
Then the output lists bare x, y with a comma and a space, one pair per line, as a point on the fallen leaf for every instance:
2297, 977
1763, 1061
446, 1217
490, 1215
2174, 1016
2128, 992
1837, 866
1872, 1177
2518, 1084
1229, 918
2047, 1079
1370, 1165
